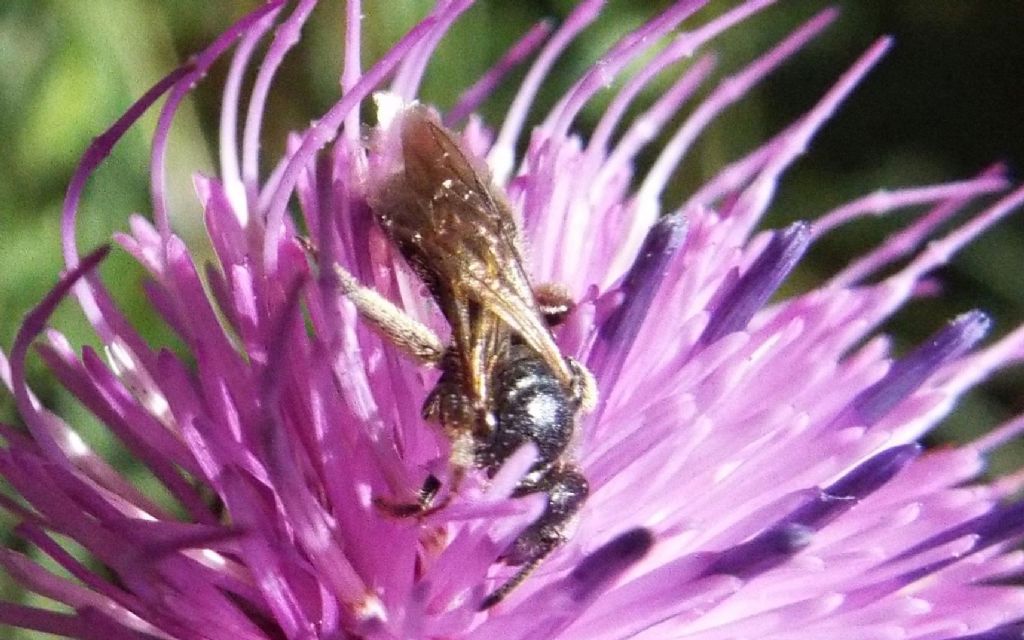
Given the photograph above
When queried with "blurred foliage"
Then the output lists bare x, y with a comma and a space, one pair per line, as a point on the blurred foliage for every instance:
944, 104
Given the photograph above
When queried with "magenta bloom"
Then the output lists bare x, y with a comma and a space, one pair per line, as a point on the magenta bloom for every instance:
753, 464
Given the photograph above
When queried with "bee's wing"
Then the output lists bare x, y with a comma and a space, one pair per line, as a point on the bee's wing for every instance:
461, 238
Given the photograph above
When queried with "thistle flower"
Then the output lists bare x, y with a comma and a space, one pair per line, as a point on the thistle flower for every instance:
753, 464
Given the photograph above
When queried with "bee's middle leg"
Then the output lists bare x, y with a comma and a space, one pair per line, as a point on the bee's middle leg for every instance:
554, 301
427, 502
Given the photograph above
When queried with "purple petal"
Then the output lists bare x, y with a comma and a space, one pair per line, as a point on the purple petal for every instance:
1003, 522
597, 570
1013, 631
85, 625
859, 483
910, 372
748, 294
765, 551
617, 333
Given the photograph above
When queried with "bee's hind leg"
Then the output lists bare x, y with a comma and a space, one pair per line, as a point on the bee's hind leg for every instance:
408, 334
420, 343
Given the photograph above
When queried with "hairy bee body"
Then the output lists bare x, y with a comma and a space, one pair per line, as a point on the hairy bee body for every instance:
504, 383
530, 405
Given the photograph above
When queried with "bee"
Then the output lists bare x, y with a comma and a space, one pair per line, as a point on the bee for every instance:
504, 383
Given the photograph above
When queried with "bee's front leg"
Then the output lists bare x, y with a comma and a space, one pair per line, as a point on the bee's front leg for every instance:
567, 489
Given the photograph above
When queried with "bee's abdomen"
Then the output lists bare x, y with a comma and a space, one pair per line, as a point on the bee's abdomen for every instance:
530, 405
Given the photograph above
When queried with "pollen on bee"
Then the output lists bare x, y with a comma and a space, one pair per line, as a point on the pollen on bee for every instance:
463, 450
389, 106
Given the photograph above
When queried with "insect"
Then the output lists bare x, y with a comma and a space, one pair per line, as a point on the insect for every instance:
504, 383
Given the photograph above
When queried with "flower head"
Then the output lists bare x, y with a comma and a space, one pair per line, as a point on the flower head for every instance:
752, 462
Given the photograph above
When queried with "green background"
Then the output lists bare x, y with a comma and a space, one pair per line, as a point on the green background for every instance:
944, 104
